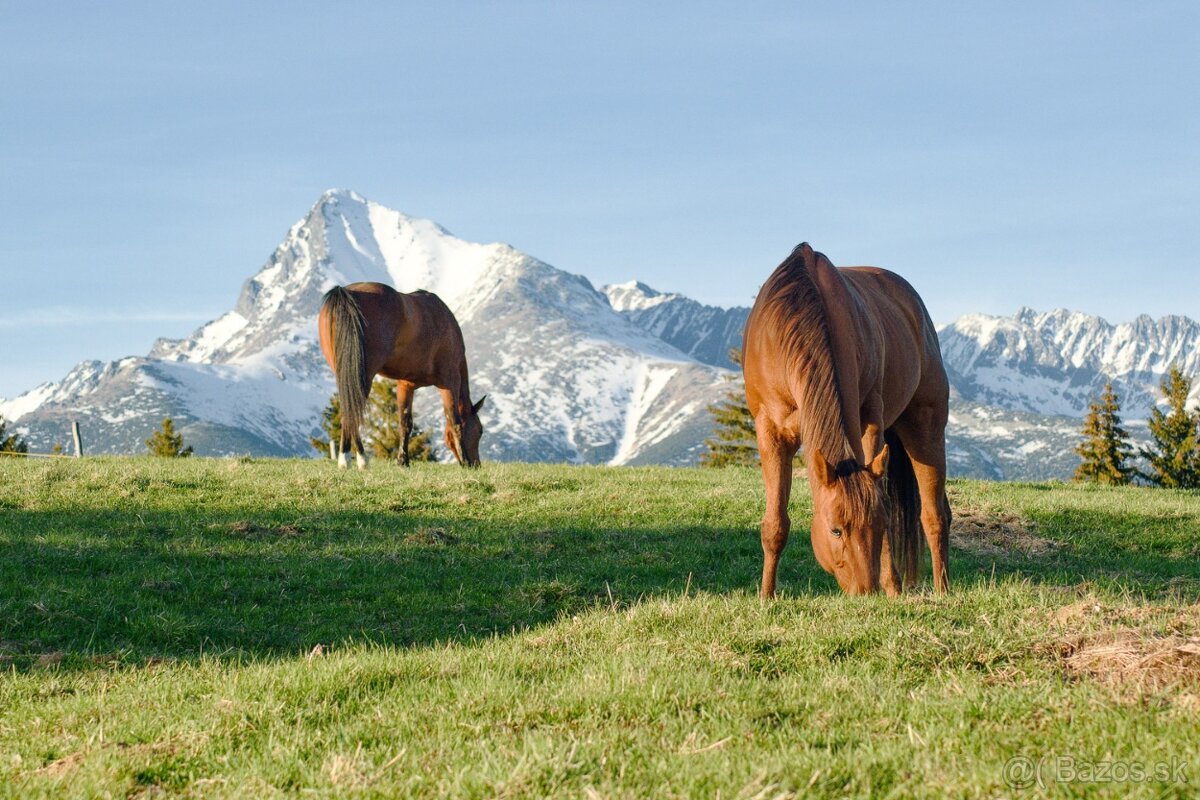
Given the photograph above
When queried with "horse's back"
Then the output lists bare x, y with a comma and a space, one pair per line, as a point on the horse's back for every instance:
890, 308
419, 313
893, 299
909, 337
411, 336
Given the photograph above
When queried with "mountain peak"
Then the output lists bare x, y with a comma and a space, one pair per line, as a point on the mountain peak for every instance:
336, 195
571, 378
1055, 362
635, 295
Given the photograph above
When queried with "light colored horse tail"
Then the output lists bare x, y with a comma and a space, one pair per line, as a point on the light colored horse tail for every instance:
350, 357
904, 532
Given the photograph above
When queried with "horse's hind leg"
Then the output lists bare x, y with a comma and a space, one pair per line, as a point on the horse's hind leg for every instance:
343, 458
404, 401
360, 454
776, 456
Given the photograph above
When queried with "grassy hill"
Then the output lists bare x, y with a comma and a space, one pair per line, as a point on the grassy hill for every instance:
257, 627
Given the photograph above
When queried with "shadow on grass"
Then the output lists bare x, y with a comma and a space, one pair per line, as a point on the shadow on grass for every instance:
151, 584
1154, 556
85, 589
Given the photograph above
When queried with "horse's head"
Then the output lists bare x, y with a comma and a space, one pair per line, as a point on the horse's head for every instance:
850, 520
464, 442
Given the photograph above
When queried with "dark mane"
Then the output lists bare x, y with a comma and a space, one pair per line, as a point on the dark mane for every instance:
795, 309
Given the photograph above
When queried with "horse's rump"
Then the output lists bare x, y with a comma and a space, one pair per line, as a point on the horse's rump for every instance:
353, 378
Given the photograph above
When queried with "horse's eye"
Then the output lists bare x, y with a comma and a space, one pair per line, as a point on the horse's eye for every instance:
837, 532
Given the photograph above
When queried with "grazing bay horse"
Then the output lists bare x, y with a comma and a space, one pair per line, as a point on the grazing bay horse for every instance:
846, 363
370, 329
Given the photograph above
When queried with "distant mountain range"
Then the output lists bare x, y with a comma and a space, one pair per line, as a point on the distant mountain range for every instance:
620, 375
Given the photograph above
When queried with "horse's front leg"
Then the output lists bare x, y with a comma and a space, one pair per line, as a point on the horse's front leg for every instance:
404, 401
872, 427
775, 453
453, 424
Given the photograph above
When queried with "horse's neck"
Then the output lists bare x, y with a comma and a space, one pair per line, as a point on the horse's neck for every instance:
464, 390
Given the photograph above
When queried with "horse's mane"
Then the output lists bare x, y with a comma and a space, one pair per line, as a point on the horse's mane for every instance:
794, 307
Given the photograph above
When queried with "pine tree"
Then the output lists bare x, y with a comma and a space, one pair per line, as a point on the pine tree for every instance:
331, 423
733, 441
12, 443
166, 442
1174, 454
420, 447
381, 428
1105, 449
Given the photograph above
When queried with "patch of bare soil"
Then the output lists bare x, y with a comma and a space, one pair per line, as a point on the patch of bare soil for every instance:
69, 763
995, 533
430, 537
253, 530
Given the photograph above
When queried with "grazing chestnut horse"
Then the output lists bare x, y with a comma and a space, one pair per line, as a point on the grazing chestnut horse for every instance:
368, 329
846, 363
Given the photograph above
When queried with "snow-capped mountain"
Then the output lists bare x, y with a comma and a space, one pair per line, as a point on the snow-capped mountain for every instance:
622, 375
1002, 444
1021, 385
1057, 362
567, 377
706, 333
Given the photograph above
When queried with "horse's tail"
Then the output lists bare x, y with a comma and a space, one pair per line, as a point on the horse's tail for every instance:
349, 356
904, 533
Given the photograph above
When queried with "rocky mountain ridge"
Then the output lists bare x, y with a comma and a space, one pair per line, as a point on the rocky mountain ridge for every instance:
622, 375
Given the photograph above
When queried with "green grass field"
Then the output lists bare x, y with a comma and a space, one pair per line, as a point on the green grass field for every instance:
256, 628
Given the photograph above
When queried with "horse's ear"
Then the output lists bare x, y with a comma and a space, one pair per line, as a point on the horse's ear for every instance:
822, 470
475, 408
878, 467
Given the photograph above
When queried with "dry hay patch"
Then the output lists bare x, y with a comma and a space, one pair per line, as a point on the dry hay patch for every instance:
995, 533
1135, 661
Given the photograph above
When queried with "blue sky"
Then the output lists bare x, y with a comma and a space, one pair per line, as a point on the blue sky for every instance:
153, 154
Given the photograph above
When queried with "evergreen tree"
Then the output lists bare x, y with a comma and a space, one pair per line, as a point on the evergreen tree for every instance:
166, 442
420, 447
11, 443
1174, 454
1105, 449
733, 441
381, 428
331, 423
